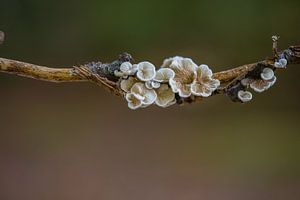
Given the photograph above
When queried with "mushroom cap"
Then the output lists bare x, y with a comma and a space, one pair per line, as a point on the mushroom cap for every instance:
262, 85
125, 67
246, 81
152, 84
165, 96
244, 96
147, 96
184, 90
281, 63
155, 84
185, 74
163, 75
133, 102
204, 85
203, 71
146, 71
127, 84
267, 74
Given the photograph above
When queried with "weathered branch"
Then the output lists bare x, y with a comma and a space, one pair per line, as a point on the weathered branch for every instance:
103, 74
39, 72
70, 74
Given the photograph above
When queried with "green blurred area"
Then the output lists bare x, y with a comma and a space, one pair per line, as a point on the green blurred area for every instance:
75, 141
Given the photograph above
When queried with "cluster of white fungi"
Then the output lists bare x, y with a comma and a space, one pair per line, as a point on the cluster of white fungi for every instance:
145, 85
267, 79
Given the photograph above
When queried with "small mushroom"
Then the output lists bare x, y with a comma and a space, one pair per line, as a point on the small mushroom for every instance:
133, 101
148, 85
244, 96
267, 74
155, 84
185, 74
165, 96
163, 75
152, 84
146, 71
126, 69
204, 84
281, 63
118, 73
262, 85
127, 84
147, 96
246, 81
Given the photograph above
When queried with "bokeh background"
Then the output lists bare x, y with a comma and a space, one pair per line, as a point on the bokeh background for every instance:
76, 141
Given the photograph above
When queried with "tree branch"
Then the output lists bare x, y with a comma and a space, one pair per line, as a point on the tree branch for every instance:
103, 73
39, 72
71, 74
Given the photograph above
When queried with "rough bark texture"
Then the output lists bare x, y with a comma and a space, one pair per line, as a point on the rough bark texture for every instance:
39, 72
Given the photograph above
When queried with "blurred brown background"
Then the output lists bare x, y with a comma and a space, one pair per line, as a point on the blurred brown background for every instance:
75, 141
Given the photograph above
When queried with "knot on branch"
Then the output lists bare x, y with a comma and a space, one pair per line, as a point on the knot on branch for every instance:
87, 74
107, 69
104, 73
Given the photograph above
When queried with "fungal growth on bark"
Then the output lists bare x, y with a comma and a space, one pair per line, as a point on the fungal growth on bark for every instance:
177, 80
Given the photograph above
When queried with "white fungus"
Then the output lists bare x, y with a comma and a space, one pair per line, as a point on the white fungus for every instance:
246, 81
267, 74
267, 80
165, 96
204, 84
152, 84
145, 71
244, 96
133, 101
147, 96
262, 85
185, 74
127, 84
281, 63
163, 75
145, 86
126, 69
